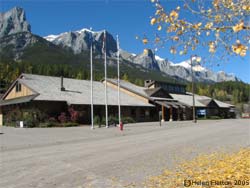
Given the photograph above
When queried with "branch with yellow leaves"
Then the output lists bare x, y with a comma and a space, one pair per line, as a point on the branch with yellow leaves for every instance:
229, 18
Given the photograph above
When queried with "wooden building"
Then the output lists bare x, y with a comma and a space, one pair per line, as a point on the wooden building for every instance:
53, 95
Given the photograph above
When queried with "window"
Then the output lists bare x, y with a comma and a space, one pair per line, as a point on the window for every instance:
18, 87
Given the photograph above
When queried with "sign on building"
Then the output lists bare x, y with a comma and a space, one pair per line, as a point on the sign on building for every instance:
201, 112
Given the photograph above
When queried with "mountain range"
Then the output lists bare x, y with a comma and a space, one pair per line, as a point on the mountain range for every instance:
18, 43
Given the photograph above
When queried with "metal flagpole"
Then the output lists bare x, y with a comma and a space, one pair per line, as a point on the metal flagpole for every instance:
91, 79
105, 67
191, 62
118, 79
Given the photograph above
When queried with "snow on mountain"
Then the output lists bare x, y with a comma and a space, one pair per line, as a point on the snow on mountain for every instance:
158, 58
199, 68
79, 41
181, 70
187, 65
51, 37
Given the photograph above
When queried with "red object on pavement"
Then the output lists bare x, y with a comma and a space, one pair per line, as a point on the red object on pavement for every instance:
121, 126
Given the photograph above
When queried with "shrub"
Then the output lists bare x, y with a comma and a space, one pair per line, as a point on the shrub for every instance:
31, 117
30, 120
128, 120
12, 117
113, 120
52, 122
62, 117
97, 121
69, 124
74, 115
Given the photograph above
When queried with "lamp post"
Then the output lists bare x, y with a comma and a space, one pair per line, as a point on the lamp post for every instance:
198, 59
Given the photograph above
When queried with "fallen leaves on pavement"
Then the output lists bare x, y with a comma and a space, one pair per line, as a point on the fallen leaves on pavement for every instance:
213, 170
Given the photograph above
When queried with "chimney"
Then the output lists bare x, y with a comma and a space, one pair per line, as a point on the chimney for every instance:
62, 88
147, 83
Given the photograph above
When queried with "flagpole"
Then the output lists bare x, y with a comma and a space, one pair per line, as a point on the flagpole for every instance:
91, 80
105, 67
118, 79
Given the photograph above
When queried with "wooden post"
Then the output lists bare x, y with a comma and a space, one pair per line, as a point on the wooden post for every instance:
179, 114
171, 113
163, 113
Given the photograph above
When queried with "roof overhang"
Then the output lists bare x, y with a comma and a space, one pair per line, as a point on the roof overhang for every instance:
18, 100
169, 104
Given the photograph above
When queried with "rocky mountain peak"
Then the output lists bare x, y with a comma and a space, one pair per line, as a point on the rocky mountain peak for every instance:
80, 41
147, 60
13, 21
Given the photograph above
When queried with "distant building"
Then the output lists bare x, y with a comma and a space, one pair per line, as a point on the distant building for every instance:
53, 95
169, 87
175, 103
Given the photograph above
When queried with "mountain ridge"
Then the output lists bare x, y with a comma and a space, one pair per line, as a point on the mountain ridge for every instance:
147, 58
18, 43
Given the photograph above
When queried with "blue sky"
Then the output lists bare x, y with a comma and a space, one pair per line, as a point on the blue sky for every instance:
127, 18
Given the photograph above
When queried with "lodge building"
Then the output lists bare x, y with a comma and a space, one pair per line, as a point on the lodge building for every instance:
53, 95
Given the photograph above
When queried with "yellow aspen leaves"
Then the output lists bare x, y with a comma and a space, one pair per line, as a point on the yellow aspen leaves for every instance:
145, 40
198, 59
196, 41
197, 26
175, 38
238, 27
246, 7
157, 39
209, 25
217, 18
212, 47
153, 21
220, 21
145, 51
183, 52
217, 34
206, 167
173, 50
157, 12
180, 32
174, 15
172, 28
239, 49
216, 3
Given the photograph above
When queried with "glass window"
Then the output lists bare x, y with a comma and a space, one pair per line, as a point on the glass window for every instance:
18, 87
